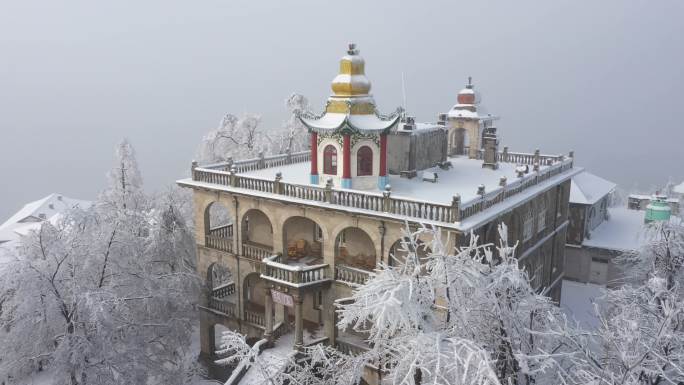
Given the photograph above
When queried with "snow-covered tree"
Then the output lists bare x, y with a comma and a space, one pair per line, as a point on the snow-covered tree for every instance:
640, 339
104, 295
124, 190
239, 138
469, 317
293, 136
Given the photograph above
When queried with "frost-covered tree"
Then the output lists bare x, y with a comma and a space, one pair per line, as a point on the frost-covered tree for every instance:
640, 339
293, 135
104, 295
125, 183
235, 137
469, 317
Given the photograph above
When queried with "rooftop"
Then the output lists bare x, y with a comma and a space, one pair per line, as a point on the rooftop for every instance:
34, 213
463, 178
622, 231
587, 188
453, 201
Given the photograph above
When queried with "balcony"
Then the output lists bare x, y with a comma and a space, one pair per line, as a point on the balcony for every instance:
220, 238
256, 251
295, 275
352, 276
221, 300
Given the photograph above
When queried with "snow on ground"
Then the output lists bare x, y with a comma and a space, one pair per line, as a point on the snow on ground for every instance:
622, 231
577, 302
464, 178
271, 360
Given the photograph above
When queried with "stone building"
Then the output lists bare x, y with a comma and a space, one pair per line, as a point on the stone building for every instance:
281, 238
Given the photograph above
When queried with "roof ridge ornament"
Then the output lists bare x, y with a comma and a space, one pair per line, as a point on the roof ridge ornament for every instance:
352, 49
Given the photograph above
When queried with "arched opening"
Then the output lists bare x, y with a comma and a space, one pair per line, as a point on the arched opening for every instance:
330, 160
303, 241
354, 248
218, 227
402, 248
257, 235
364, 161
253, 293
218, 276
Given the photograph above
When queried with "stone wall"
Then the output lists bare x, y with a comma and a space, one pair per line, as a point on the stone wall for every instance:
416, 150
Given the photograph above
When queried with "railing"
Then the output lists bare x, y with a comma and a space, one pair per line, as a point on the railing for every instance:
224, 290
223, 306
349, 348
352, 275
220, 238
255, 252
254, 318
278, 330
383, 201
273, 269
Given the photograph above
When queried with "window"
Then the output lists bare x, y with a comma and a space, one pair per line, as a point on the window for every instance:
541, 218
528, 226
330, 160
364, 161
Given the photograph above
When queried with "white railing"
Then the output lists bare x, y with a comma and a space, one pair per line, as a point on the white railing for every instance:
383, 202
352, 275
255, 252
220, 238
273, 269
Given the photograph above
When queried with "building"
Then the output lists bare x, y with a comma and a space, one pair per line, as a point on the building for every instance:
281, 238
33, 214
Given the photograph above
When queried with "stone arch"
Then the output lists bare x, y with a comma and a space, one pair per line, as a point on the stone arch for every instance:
216, 215
253, 292
401, 247
257, 228
303, 239
355, 248
218, 274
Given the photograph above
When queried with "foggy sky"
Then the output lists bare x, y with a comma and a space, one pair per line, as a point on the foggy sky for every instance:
604, 78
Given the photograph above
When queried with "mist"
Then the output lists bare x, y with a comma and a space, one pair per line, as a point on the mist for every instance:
604, 78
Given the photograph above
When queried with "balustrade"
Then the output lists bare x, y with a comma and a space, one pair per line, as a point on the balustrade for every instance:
223, 306
224, 290
351, 275
254, 318
256, 252
377, 202
293, 275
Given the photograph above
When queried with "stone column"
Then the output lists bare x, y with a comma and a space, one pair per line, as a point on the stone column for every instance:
346, 162
382, 178
268, 316
314, 158
299, 321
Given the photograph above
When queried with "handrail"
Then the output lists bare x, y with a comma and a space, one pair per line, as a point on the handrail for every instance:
383, 202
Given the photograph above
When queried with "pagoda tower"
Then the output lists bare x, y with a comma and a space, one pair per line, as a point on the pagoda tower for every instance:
349, 140
464, 123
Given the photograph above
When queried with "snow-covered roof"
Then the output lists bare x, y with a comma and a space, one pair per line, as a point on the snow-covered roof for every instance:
332, 121
457, 112
463, 178
622, 231
679, 189
34, 213
587, 188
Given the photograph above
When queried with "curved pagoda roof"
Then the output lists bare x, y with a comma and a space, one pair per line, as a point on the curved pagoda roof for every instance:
350, 107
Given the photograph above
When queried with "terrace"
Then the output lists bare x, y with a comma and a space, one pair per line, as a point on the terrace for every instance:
460, 199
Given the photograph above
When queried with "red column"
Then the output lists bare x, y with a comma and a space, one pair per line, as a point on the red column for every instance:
346, 162
314, 153
383, 154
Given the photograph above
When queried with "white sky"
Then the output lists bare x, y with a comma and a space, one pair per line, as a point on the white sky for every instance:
603, 78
